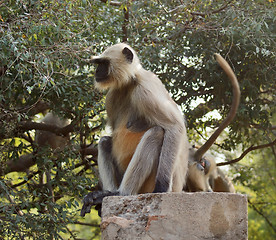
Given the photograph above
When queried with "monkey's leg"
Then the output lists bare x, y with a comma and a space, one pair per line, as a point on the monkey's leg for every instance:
170, 155
143, 162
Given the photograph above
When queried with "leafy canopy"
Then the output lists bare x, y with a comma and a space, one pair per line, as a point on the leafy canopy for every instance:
44, 65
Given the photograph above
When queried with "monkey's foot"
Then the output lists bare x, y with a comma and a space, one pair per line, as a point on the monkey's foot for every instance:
94, 198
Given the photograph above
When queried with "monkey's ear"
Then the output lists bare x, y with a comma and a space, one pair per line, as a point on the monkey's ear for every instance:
128, 54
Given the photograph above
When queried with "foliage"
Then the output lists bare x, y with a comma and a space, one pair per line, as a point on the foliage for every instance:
256, 178
44, 65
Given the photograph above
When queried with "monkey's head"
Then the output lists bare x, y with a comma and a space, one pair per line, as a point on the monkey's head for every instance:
205, 164
117, 66
199, 171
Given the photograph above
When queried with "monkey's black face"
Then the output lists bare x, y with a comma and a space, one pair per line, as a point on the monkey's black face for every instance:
204, 165
102, 71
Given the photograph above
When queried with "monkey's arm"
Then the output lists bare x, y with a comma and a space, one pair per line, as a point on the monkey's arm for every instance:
155, 105
110, 177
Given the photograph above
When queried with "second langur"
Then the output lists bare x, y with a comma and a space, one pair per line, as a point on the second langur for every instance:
148, 148
199, 173
56, 143
206, 176
44, 138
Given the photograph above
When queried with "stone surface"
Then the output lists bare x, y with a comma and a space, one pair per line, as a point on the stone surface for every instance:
169, 216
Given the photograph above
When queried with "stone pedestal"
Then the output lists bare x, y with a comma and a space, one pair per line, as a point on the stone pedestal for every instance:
169, 216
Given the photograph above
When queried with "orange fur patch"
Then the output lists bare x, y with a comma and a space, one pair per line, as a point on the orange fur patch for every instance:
149, 184
124, 145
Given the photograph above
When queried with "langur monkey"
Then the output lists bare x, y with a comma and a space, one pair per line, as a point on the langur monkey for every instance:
207, 177
148, 148
202, 167
55, 142
44, 138
199, 173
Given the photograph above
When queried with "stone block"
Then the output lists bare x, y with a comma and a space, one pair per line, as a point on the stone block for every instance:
169, 216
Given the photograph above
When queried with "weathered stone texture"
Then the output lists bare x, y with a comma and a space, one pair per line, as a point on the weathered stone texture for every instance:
169, 216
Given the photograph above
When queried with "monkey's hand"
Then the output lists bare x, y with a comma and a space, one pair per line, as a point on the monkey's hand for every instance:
95, 198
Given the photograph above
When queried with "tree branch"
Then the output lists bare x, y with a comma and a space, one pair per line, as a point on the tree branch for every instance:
87, 224
90, 150
252, 148
27, 126
212, 12
30, 176
25, 161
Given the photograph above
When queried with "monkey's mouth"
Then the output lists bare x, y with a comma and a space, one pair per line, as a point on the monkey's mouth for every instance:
101, 79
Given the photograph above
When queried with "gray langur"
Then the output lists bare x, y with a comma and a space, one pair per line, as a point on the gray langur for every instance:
199, 172
148, 148
202, 167
45, 138
207, 177
56, 143
42, 138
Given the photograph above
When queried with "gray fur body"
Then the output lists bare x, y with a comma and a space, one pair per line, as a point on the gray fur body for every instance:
140, 107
